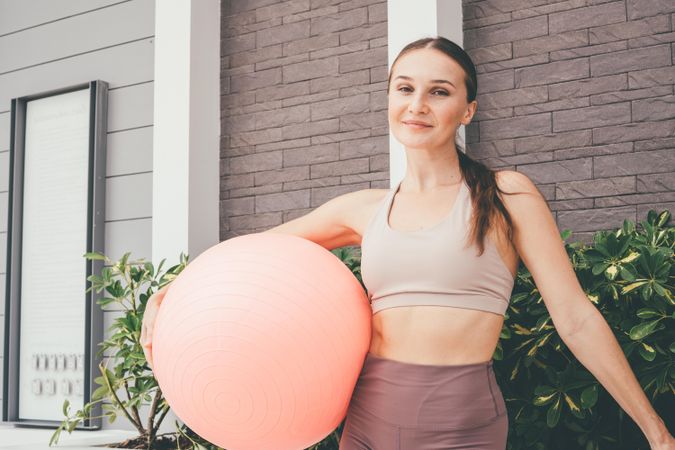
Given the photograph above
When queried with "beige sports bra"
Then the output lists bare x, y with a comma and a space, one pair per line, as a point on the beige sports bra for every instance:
429, 266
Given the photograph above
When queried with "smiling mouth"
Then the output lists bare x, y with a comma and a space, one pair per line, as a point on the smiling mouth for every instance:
415, 125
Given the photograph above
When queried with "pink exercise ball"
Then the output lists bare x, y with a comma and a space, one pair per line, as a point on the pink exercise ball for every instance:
259, 342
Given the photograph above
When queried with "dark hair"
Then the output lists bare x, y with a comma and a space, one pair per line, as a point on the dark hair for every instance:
488, 206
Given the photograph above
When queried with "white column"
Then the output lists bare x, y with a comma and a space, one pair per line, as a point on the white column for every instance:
185, 207
409, 21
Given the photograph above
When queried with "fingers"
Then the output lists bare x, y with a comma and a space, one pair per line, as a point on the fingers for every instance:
149, 323
146, 343
159, 295
147, 351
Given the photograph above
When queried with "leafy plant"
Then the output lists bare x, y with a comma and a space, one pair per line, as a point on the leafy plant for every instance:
129, 285
553, 401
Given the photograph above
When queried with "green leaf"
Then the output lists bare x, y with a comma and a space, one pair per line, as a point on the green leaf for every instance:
643, 329
72, 425
589, 396
544, 394
553, 414
630, 258
571, 403
647, 352
94, 255
663, 292
627, 274
498, 353
632, 286
55, 436
66, 404
100, 392
647, 313
647, 292
599, 268
611, 272
663, 218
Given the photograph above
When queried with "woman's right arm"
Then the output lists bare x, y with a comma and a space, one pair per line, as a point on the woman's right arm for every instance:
329, 225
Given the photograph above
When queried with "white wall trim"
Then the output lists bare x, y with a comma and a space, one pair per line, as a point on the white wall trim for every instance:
186, 154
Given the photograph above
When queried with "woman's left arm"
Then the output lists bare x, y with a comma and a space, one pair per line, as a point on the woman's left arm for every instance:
580, 325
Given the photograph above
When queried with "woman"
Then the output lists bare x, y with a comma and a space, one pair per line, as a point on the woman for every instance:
439, 256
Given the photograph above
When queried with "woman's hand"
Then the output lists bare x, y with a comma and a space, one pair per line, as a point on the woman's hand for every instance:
149, 317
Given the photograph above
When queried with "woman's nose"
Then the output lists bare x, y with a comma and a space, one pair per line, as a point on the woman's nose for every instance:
418, 103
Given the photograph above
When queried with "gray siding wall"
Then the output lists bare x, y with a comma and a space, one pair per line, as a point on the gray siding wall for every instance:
303, 107
46, 45
578, 95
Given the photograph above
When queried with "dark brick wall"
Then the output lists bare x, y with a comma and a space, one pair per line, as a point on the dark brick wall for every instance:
578, 95
303, 99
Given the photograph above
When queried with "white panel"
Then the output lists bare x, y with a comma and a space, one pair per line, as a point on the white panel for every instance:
2, 326
4, 196
130, 107
78, 34
130, 236
4, 171
3, 278
54, 228
186, 128
128, 197
5, 123
3, 252
129, 152
121, 65
29, 13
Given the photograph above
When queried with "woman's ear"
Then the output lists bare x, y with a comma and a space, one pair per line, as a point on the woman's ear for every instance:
470, 111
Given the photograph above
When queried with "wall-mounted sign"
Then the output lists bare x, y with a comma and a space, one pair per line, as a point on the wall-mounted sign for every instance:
56, 215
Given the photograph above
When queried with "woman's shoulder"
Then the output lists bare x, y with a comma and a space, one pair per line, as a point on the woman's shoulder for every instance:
512, 181
364, 206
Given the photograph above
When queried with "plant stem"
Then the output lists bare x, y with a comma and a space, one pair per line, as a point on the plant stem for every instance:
153, 409
134, 409
162, 415
120, 405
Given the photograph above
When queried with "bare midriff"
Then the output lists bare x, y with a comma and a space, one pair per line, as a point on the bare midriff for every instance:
435, 334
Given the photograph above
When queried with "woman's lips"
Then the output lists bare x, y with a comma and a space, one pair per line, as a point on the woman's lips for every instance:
416, 126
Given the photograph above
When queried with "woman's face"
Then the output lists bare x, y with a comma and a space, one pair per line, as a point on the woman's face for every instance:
440, 105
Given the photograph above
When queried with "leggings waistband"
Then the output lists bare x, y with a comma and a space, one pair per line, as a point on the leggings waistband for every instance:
410, 394
370, 355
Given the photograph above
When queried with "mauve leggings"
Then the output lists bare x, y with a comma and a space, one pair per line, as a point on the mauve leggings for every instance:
403, 406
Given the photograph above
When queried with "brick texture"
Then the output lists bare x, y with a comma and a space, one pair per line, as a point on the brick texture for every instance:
578, 95
303, 107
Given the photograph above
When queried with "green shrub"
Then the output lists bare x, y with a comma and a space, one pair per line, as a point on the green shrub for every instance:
552, 400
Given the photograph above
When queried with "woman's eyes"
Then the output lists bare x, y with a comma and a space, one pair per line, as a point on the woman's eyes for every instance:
438, 90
